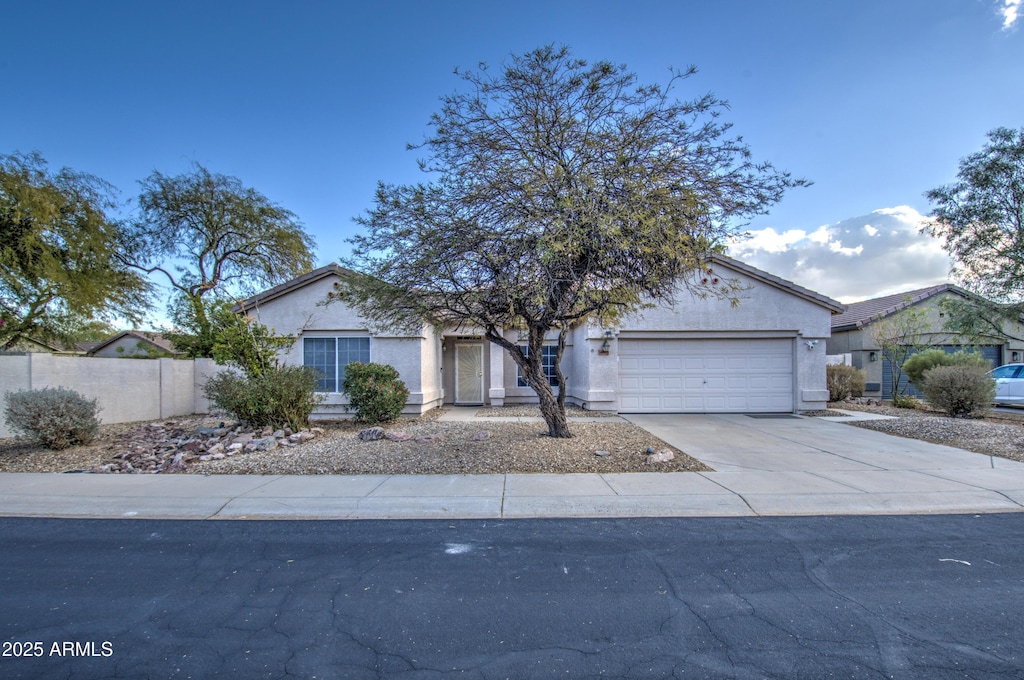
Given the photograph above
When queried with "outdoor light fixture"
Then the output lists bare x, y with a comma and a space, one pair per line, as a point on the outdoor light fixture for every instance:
1015, 356
607, 344
873, 356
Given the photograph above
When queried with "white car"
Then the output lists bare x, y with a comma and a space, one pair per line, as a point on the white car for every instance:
1009, 384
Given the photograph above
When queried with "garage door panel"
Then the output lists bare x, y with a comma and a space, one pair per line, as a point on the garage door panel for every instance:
728, 375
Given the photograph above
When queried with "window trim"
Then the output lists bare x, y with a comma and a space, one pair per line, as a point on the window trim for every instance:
339, 368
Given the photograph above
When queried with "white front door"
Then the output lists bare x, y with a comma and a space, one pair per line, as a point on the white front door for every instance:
469, 374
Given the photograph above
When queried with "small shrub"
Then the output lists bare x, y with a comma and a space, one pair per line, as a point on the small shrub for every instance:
959, 390
53, 416
375, 391
920, 363
905, 401
281, 396
844, 382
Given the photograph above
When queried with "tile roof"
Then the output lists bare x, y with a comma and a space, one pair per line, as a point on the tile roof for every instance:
859, 314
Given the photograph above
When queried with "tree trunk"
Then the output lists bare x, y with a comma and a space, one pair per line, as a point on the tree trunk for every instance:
554, 414
552, 408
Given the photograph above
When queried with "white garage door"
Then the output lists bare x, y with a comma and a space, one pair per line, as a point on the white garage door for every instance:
706, 376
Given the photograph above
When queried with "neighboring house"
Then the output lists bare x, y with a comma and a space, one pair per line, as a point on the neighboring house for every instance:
766, 355
29, 345
134, 345
853, 333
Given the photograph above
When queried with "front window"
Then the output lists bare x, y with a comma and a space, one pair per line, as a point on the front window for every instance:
549, 353
329, 356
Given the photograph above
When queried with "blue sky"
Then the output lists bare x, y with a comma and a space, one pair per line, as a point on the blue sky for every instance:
312, 103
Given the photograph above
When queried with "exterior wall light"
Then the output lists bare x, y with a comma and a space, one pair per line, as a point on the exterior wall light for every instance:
607, 344
873, 356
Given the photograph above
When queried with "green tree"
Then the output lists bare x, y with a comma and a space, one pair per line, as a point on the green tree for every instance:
58, 253
981, 219
562, 192
227, 337
211, 236
898, 337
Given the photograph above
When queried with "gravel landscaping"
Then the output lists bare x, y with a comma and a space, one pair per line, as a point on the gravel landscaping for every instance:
432, 448
483, 447
1000, 434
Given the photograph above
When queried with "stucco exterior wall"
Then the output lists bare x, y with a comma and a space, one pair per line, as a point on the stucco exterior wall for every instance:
764, 311
301, 314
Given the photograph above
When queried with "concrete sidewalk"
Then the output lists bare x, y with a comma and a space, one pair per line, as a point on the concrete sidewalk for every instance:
764, 466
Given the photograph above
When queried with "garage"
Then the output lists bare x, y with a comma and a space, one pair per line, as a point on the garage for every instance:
706, 376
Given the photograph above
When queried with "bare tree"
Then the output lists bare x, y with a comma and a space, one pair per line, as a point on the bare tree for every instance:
562, 192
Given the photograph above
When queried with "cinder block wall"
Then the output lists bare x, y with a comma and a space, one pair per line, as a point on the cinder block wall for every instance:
126, 390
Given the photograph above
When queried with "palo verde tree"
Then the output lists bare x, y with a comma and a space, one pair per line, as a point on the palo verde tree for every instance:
212, 237
58, 264
981, 219
561, 192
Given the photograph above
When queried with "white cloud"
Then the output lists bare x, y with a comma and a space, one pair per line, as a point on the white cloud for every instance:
1011, 12
857, 258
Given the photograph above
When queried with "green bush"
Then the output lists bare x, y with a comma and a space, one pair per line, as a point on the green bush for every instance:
959, 390
921, 362
374, 391
905, 401
53, 416
844, 382
281, 396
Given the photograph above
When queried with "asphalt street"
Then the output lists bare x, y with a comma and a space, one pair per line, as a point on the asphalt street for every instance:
814, 597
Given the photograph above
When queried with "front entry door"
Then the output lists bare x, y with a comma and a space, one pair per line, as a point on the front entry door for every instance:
469, 374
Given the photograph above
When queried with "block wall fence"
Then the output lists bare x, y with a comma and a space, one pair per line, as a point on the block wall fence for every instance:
126, 390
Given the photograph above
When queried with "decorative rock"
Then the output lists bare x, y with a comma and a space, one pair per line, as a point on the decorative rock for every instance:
215, 449
212, 431
316, 430
237, 446
217, 456
278, 434
263, 444
398, 436
650, 450
480, 436
300, 437
371, 434
662, 456
603, 454
286, 442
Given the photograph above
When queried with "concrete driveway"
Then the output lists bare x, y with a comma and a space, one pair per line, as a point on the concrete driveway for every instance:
799, 465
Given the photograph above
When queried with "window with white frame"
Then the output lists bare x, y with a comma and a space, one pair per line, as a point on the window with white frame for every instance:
547, 365
329, 356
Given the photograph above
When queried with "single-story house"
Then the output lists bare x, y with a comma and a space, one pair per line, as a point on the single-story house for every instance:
134, 345
700, 355
854, 332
